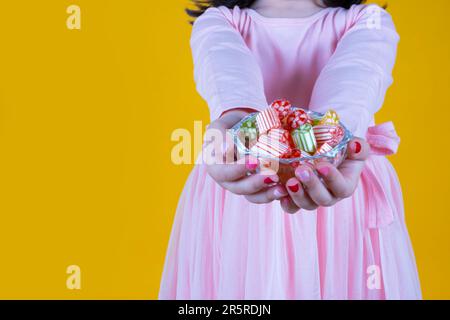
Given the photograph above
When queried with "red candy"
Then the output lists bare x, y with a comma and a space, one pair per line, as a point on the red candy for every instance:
281, 135
267, 145
328, 134
282, 107
296, 153
297, 118
276, 123
324, 148
338, 134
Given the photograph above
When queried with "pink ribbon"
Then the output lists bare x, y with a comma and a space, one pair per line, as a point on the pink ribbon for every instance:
383, 141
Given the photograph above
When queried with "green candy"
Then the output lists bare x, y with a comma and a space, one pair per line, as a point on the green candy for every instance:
249, 130
304, 138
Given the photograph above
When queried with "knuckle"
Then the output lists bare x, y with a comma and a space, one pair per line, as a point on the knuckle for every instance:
327, 203
292, 210
251, 199
341, 194
269, 195
309, 207
303, 203
345, 192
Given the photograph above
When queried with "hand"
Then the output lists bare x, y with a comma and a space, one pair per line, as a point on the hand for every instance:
231, 173
308, 192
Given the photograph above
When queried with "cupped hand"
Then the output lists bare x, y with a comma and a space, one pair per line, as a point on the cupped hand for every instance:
234, 174
307, 191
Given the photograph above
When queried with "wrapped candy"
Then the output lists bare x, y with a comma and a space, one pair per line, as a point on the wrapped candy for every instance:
324, 148
330, 118
330, 134
284, 137
315, 120
282, 107
297, 118
267, 119
323, 133
281, 135
338, 134
304, 138
271, 147
296, 153
249, 132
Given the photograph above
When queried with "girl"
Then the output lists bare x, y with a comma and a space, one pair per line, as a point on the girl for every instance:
233, 237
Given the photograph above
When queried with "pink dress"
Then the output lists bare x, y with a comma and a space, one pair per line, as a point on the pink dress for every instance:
223, 247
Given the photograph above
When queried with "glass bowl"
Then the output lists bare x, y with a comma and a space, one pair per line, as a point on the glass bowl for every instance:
285, 167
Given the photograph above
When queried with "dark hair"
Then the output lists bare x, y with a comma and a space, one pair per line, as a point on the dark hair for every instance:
202, 5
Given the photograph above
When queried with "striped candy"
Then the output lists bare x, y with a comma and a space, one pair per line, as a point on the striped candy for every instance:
324, 149
267, 119
268, 146
248, 130
323, 133
281, 135
330, 134
304, 138
338, 134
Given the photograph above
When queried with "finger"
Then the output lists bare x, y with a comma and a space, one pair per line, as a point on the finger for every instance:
218, 145
232, 171
314, 187
337, 184
251, 184
268, 195
358, 149
288, 205
351, 171
298, 195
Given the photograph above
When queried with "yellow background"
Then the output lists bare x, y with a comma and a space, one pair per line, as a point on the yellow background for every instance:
85, 124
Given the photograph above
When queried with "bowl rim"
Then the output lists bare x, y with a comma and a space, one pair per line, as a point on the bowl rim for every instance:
313, 114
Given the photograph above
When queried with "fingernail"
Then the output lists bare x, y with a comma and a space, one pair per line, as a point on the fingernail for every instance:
356, 147
251, 163
251, 166
294, 188
304, 175
269, 180
324, 171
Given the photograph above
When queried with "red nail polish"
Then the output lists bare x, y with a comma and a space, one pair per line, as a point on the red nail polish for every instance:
268, 181
357, 147
324, 171
294, 188
251, 166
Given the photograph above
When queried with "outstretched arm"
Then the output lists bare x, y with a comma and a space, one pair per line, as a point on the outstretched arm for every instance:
353, 83
225, 71
355, 80
230, 80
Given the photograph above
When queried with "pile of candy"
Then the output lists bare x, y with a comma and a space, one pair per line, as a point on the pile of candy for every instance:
282, 131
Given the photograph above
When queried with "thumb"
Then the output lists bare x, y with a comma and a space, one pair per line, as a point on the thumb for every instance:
358, 149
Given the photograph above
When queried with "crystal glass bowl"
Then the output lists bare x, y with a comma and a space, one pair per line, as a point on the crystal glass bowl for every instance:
285, 167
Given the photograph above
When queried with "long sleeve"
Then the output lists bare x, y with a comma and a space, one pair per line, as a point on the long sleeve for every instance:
226, 73
355, 80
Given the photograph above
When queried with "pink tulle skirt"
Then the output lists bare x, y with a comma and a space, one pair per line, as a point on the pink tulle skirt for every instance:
223, 247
